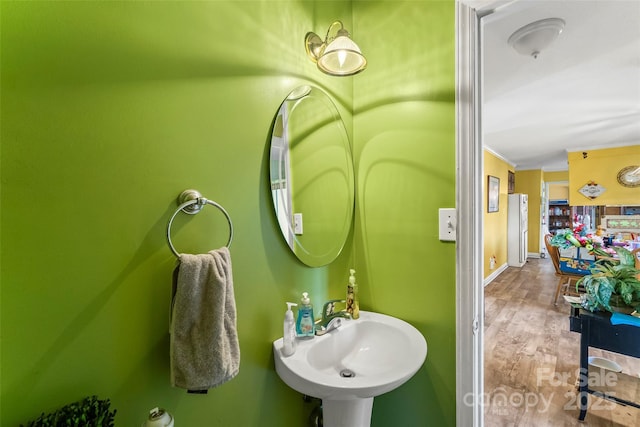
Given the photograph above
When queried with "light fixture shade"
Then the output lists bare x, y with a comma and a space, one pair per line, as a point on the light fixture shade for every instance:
342, 57
337, 54
533, 38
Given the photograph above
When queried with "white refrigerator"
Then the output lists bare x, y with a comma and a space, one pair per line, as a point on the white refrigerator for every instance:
517, 229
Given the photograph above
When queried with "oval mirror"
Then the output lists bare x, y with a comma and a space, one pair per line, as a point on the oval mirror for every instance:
311, 172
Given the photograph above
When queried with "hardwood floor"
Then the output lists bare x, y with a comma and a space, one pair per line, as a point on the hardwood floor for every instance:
531, 357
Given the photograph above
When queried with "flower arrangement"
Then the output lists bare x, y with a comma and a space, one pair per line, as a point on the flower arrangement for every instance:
580, 238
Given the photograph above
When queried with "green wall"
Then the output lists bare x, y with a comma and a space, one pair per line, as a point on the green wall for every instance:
111, 109
404, 133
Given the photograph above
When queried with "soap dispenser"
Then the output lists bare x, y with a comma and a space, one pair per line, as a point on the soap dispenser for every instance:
304, 325
289, 336
353, 305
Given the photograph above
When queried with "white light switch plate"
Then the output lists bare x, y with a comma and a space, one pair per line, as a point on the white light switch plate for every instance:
447, 224
297, 223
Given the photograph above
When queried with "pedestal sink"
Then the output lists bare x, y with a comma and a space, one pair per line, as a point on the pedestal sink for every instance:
349, 366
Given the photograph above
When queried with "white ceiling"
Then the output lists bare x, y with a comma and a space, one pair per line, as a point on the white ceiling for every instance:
581, 93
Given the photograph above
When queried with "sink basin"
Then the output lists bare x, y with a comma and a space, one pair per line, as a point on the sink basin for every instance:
349, 366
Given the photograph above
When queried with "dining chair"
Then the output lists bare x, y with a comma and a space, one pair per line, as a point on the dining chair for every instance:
564, 279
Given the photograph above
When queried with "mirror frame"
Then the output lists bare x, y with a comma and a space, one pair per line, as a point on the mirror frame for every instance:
308, 132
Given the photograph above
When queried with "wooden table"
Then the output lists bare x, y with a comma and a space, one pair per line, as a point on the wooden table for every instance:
597, 331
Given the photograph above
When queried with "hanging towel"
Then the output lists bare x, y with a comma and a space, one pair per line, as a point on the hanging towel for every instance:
204, 342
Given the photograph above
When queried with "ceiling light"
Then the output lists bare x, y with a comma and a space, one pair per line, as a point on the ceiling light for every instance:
337, 54
531, 39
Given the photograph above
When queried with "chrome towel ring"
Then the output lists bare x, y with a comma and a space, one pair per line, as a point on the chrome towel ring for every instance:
191, 202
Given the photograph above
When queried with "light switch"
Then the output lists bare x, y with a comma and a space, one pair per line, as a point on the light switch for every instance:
447, 224
297, 223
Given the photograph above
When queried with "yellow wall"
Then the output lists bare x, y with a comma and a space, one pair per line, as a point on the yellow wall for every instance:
495, 224
530, 182
556, 176
558, 191
602, 166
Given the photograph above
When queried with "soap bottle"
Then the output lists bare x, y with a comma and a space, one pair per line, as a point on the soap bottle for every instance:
304, 325
353, 305
289, 336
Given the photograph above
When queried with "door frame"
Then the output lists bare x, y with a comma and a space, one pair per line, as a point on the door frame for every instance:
469, 250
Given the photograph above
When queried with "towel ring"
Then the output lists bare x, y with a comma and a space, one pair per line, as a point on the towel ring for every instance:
191, 202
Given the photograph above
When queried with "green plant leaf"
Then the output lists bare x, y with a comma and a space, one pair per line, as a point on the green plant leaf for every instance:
89, 412
604, 291
625, 256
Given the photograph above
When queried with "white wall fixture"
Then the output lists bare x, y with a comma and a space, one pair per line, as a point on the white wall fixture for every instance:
348, 367
297, 224
447, 224
337, 54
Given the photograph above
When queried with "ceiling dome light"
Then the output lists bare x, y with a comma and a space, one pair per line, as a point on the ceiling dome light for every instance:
531, 39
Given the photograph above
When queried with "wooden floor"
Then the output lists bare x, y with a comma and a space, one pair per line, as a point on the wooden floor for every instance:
531, 357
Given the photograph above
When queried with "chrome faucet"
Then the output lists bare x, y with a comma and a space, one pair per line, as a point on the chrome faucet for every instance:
330, 318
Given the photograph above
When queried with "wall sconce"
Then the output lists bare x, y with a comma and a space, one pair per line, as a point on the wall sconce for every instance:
337, 54
531, 39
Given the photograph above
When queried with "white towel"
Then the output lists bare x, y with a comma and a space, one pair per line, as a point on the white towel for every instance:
204, 342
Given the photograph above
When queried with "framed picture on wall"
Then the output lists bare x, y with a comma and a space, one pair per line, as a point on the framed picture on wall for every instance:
493, 194
511, 184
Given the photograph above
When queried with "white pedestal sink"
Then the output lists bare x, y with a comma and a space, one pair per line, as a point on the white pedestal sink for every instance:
349, 366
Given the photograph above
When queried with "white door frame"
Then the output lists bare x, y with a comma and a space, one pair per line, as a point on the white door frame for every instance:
469, 250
